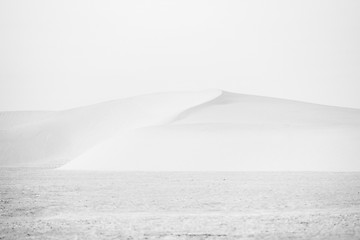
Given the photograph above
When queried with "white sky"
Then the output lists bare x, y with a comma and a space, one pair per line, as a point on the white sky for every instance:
66, 53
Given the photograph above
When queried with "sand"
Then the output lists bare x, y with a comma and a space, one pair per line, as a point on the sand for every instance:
205, 130
49, 204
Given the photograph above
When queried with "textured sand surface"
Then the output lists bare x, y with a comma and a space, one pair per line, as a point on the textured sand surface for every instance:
49, 204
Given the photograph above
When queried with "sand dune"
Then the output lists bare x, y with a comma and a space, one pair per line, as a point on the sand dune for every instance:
207, 130
64, 135
15, 119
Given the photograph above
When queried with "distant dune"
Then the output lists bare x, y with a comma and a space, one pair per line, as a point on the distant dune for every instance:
206, 130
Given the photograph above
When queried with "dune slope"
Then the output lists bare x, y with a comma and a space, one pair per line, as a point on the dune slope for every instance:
208, 130
58, 139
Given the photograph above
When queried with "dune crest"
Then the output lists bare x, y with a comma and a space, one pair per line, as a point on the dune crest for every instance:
205, 130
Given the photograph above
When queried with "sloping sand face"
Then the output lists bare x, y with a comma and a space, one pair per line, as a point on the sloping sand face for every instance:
207, 130
60, 137
14, 119
217, 147
237, 132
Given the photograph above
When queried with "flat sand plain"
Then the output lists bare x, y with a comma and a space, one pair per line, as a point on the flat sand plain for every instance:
53, 204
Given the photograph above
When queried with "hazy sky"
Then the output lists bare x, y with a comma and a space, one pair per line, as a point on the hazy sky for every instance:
66, 53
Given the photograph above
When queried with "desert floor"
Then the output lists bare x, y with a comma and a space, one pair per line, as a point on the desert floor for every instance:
53, 204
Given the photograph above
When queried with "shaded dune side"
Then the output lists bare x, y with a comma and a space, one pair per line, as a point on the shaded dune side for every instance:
12, 119
53, 141
236, 132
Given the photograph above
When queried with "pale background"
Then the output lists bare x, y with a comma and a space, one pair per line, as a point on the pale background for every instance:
67, 53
